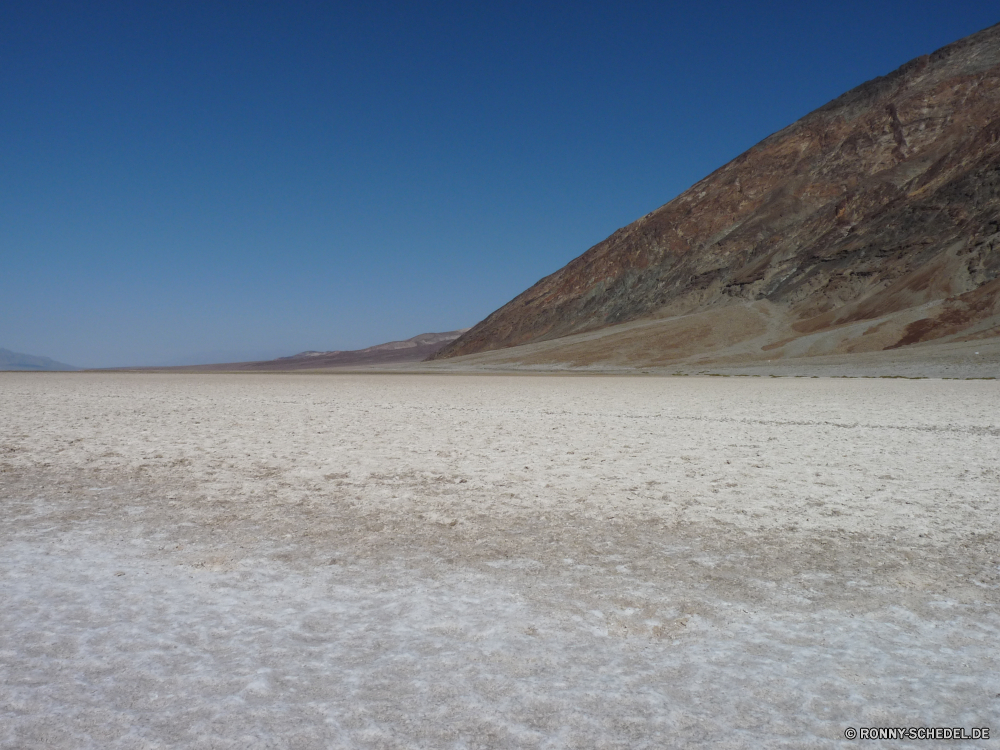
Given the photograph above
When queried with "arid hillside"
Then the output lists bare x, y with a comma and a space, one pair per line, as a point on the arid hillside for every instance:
413, 349
870, 224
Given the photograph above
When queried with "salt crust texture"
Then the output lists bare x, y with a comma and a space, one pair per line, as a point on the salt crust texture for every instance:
396, 561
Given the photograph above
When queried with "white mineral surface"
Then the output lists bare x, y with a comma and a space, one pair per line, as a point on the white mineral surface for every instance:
445, 561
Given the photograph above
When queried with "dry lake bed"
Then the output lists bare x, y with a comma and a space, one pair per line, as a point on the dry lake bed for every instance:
446, 561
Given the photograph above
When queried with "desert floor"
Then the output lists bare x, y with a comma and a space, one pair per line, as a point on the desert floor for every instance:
437, 561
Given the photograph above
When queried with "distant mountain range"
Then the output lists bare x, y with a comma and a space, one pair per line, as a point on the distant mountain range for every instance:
871, 224
16, 361
414, 349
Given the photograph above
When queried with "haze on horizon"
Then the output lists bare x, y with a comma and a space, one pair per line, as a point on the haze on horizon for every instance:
191, 183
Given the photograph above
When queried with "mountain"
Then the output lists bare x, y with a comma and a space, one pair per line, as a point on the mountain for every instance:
870, 224
14, 361
414, 349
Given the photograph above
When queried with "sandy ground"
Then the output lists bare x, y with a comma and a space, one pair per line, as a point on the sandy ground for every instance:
756, 339
397, 561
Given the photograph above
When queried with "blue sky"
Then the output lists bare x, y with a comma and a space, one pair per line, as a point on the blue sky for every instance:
209, 181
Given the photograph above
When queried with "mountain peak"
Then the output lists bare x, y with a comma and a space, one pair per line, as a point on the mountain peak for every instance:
880, 206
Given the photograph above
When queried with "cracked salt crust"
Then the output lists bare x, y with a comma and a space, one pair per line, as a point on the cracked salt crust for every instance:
425, 561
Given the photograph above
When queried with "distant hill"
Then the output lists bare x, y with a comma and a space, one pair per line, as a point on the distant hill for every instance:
16, 361
871, 224
414, 349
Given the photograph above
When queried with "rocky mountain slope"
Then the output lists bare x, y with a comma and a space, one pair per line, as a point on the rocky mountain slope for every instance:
872, 223
413, 349
16, 361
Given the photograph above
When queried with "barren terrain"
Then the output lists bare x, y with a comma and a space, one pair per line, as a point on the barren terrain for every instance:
870, 224
390, 561
414, 349
715, 343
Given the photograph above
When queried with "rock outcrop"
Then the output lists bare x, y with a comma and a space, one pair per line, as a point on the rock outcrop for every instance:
881, 206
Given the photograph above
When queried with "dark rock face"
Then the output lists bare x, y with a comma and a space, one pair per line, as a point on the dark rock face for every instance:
883, 200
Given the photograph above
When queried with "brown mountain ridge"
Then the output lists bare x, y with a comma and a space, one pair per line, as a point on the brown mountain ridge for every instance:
871, 223
414, 349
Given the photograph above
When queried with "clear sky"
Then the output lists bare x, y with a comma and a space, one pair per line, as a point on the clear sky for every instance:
213, 181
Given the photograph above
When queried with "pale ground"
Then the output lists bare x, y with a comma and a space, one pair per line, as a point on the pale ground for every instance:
300, 561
